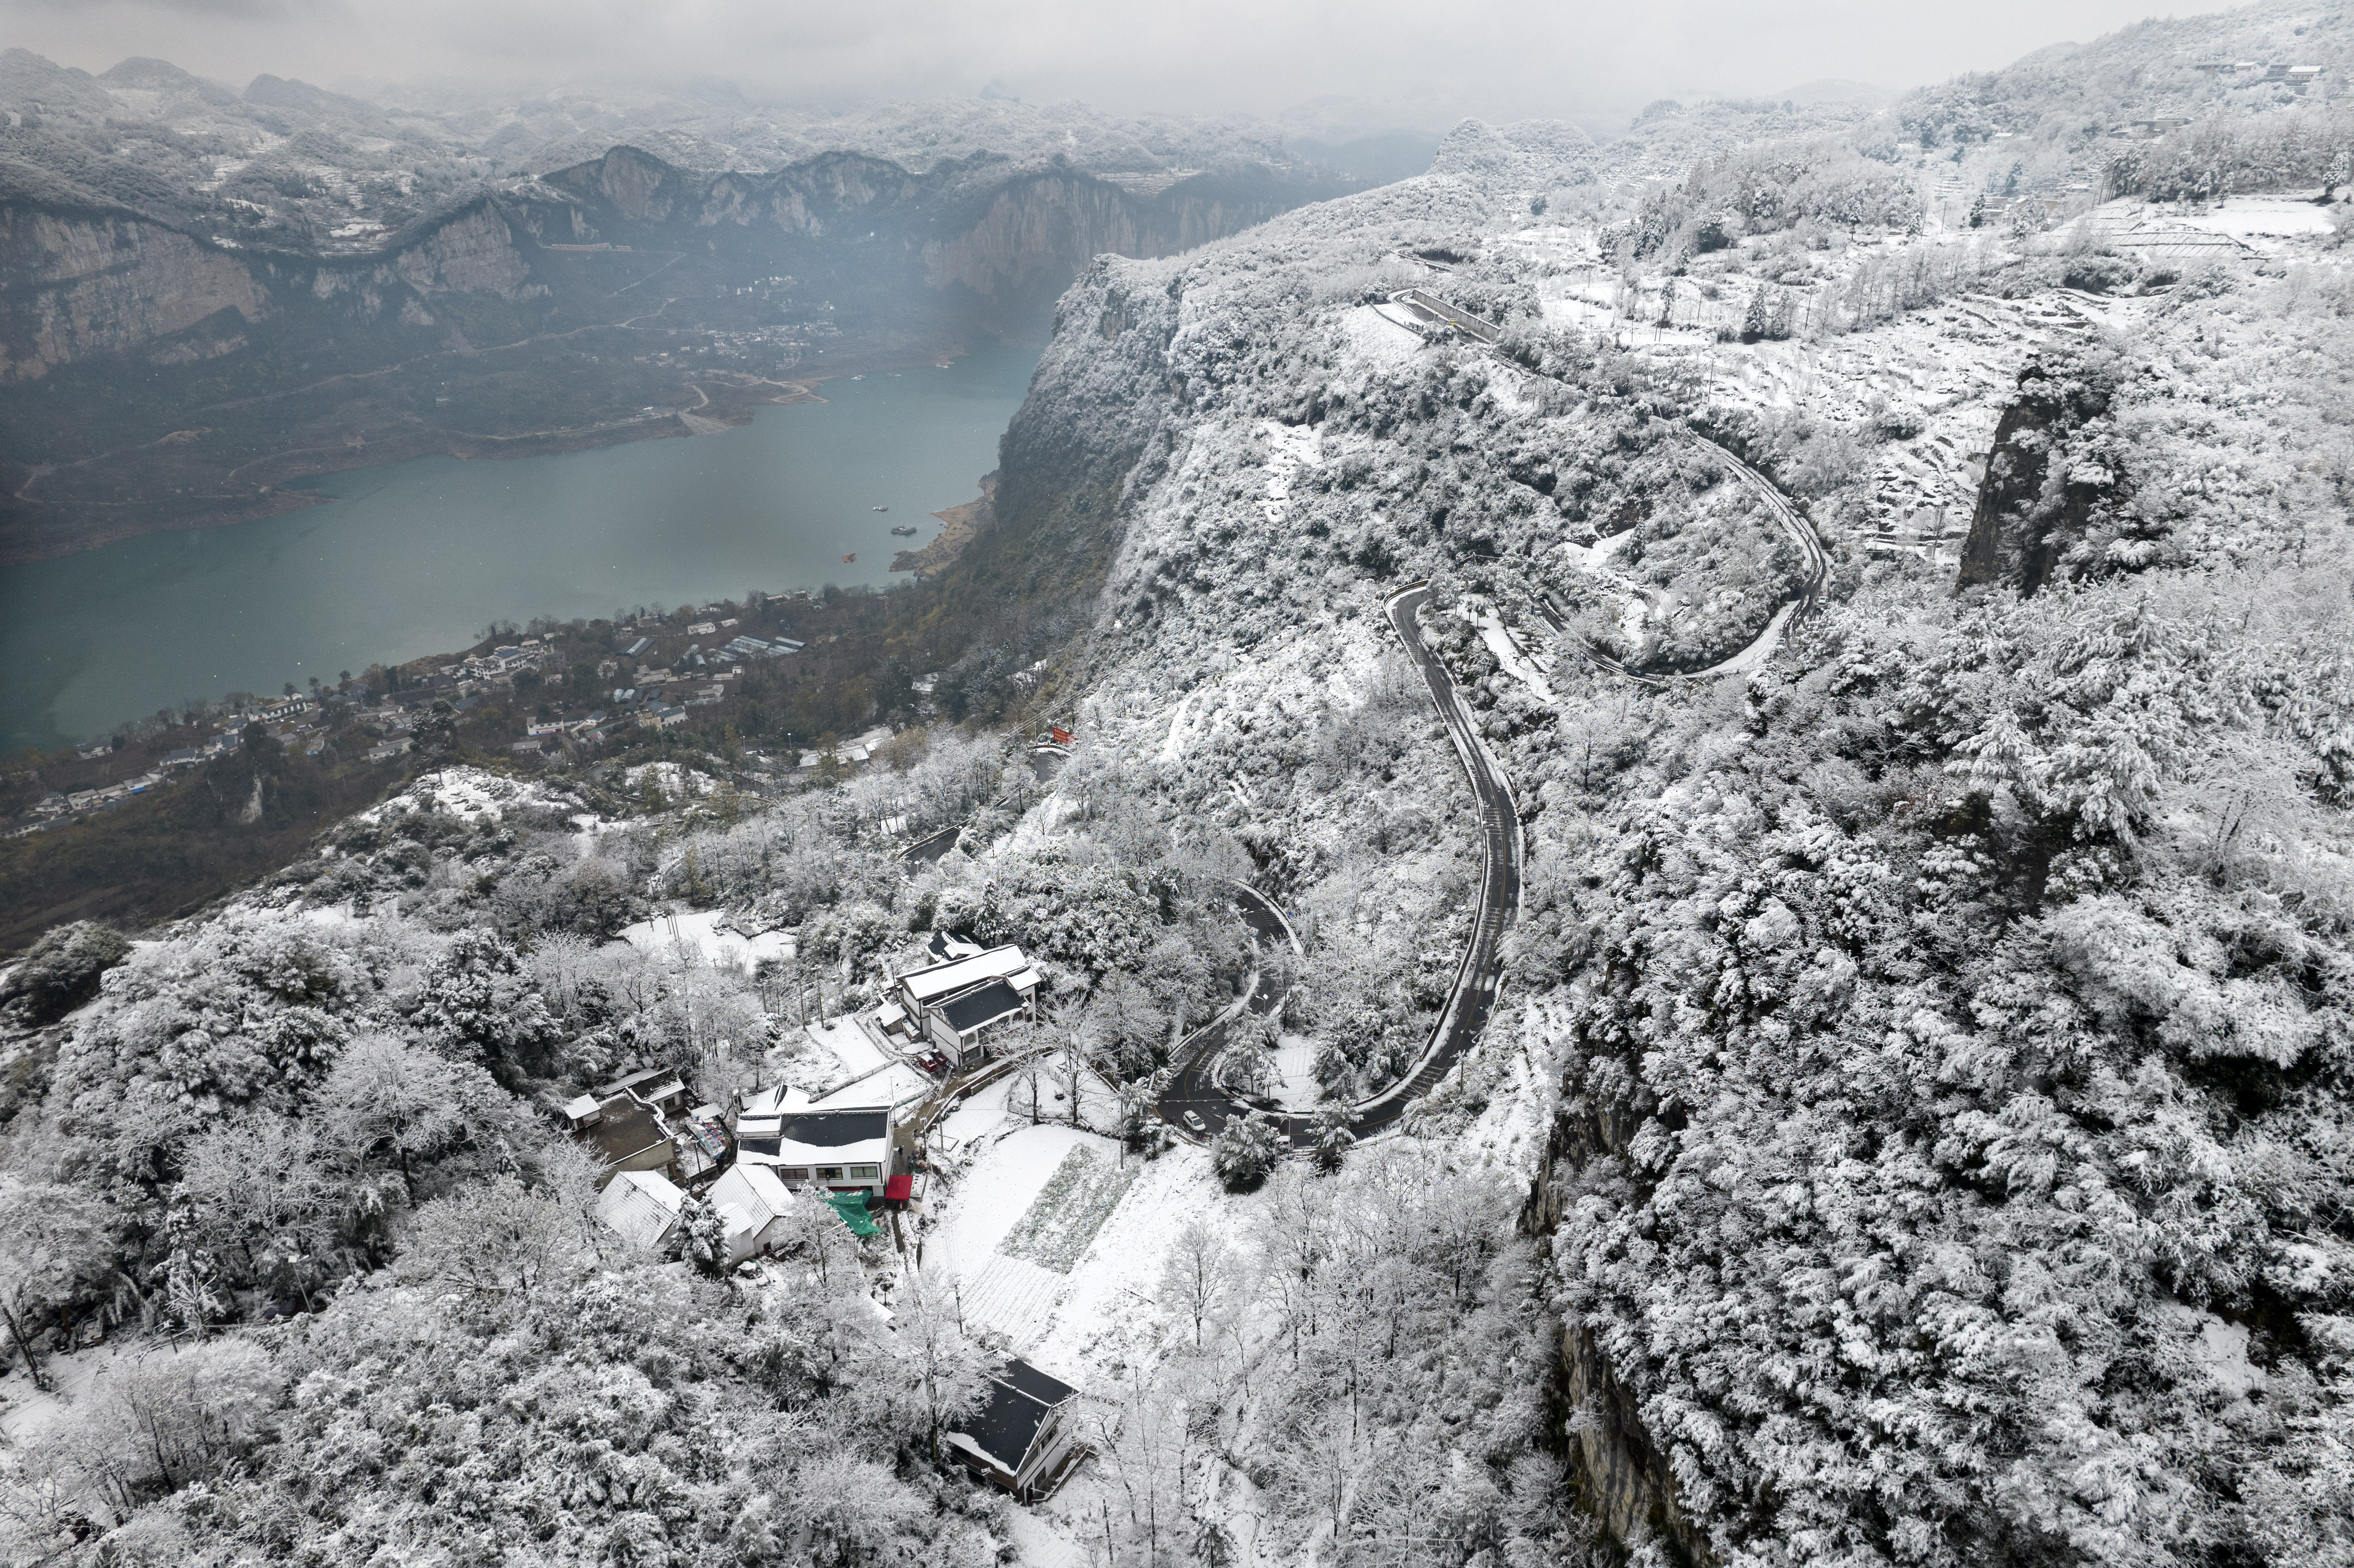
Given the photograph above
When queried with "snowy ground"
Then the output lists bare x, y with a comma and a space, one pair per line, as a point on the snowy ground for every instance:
973, 1214
702, 933
854, 1050
1296, 1087
25, 1410
1378, 340
466, 792
2253, 219
1505, 644
675, 780
983, 1114
896, 1083
1289, 448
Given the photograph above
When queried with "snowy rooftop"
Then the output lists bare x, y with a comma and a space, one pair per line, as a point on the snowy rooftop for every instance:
845, 1134
641, 1206
1021, 1397
750, 1198
937, 980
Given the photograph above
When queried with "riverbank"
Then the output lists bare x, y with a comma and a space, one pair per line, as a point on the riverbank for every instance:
60, 510
959, 526
423, 555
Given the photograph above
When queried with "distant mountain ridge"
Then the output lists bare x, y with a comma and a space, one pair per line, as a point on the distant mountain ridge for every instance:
317, 159
143, 302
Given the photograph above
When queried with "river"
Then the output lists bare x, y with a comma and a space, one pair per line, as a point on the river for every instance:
417, 557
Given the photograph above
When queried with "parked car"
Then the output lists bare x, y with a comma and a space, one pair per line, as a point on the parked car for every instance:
1193, 1119
932, 1062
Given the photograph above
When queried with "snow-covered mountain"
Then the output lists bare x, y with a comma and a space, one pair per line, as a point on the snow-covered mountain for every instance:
1890, 606
165, 241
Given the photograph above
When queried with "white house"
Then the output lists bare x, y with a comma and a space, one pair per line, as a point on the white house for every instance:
841, 1148
959, 1025
954, 1002
641, 1207
755, 1204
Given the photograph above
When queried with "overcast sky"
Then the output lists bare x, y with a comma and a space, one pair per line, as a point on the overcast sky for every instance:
1428, 62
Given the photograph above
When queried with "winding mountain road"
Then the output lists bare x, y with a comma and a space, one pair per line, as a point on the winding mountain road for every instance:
1194, 1088
1473, 996
1761, 647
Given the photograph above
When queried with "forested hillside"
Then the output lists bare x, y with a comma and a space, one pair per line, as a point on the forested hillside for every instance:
1907, 601
1949, 1010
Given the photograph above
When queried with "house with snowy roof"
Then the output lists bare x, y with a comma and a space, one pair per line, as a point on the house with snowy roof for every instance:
628, 1123
1021, 1437
955, 1002
754, 1203
838, 1148
641, 1207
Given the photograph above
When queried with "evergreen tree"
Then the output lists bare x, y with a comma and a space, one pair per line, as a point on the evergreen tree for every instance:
436, 732
703, 1236
1244, 1150
1331, 1137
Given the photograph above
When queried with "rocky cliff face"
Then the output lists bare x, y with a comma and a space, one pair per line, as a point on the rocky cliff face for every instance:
1622, 1477
2052, 478
82, 284
1034, 238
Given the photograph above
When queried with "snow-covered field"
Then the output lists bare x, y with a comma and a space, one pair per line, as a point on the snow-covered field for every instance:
468, 793
970, 1216
705, 933
854, 1050
1055, 1230
1296, 1087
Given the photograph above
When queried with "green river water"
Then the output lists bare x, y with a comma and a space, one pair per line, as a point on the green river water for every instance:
417, 557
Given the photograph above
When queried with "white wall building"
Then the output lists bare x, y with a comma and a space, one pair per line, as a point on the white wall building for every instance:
839, 1148
755, 1204
641, 1207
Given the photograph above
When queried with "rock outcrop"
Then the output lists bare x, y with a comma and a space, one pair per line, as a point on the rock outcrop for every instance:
2050, 502
81, 284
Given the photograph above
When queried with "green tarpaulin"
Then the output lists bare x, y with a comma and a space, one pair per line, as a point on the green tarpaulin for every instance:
851, 1207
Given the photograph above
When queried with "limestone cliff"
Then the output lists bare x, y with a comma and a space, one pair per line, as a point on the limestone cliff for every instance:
80, 284
1622, 1476
2052, 503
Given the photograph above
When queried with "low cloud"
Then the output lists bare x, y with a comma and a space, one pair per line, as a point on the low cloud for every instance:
1381, 58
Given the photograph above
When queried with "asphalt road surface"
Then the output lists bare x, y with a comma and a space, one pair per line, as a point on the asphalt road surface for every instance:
1473, 996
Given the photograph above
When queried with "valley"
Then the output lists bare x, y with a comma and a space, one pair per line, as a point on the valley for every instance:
1640, 850
174, 356
386, 563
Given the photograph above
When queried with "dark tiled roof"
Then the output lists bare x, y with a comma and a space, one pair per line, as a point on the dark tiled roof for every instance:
832, 1129
1021, 1397
627, 1129
1038, 1385
984, 1003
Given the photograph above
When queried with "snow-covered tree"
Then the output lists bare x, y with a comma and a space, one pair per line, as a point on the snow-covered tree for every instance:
54, 1250
1331, 1136
1243, 1150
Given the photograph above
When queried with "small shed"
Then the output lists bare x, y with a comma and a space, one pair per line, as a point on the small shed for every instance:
755, 1204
